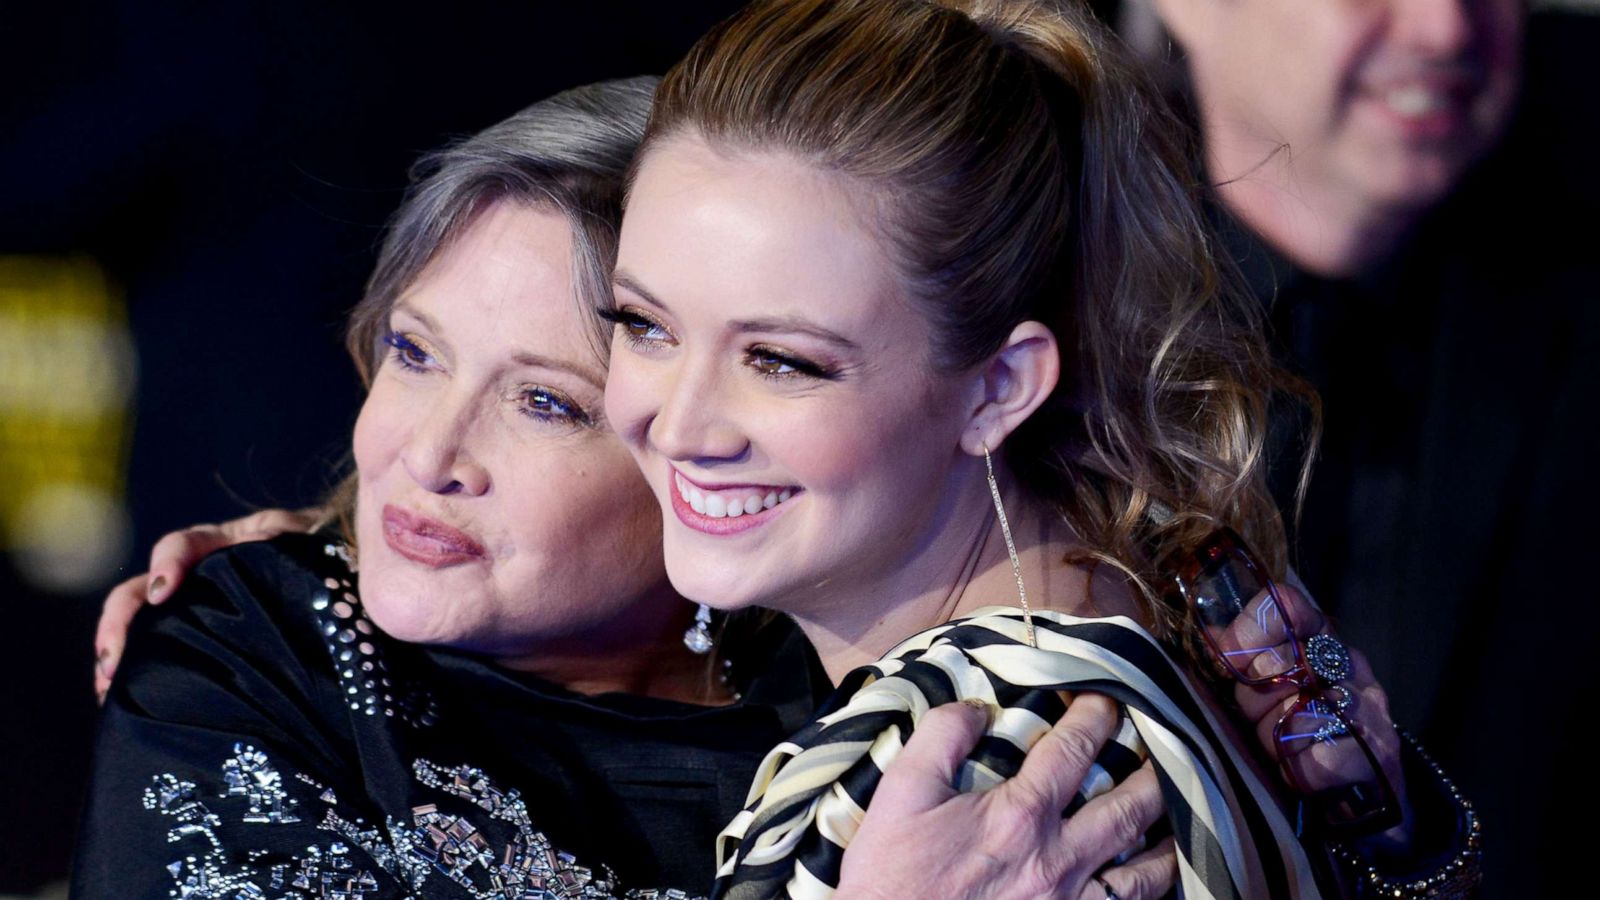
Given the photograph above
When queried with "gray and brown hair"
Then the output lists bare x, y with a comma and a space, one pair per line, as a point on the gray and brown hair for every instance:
568, 153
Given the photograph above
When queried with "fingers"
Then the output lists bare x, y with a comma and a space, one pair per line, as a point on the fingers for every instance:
923, 775
269, 523
111, 632
1115, 822
1054, 768
1148, 875
178, 552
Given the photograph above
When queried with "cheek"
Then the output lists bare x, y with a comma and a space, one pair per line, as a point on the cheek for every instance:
629, 395
1501, 27
878, 450
587, 522
379, 432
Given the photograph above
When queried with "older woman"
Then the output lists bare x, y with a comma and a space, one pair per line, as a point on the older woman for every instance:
503, 703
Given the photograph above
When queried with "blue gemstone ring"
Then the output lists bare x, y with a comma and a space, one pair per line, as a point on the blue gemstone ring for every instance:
1328, 658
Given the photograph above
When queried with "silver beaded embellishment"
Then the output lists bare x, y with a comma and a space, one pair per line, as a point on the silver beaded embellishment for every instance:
1458, 878
354, 645
325, 873
433, 843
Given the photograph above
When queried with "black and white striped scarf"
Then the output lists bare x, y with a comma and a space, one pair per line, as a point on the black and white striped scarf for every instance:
811, 791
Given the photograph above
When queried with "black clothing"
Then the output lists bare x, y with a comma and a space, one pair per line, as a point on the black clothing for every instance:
1447, 517
262, 732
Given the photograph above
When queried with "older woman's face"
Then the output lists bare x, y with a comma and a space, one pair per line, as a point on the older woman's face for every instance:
773, 384
496, 511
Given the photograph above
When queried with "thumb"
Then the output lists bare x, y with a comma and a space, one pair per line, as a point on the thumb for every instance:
923, 775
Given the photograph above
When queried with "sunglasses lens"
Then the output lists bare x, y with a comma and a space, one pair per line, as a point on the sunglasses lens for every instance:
1245, 621
1346, 791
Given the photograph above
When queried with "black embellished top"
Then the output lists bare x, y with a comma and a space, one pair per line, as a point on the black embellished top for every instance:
264, 740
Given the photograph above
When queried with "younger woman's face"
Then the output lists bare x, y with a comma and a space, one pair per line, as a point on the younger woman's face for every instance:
772, 381
497, 511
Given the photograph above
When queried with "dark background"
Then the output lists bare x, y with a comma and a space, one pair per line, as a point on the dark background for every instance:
230, 166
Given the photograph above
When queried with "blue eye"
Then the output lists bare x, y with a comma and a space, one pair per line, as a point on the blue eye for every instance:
548, 405
407, 352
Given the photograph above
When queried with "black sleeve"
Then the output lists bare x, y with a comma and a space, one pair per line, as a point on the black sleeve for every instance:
224, 761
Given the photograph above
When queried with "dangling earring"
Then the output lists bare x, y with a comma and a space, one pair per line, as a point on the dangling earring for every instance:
697, 637
1011, 547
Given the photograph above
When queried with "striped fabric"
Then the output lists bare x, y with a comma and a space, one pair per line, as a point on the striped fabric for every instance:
811, 791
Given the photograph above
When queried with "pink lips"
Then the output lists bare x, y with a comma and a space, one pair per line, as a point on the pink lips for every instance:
428, 541
725, 525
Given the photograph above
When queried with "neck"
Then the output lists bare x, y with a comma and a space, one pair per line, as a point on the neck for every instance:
1323, 227
638, 652
962, 567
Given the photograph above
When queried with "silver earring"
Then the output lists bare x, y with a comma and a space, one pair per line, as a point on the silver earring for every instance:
697, 637
1011, 547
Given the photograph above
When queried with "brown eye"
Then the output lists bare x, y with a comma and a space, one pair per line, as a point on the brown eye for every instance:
771, 364
637, 327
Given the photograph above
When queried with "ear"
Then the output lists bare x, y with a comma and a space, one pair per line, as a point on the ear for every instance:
1011, 385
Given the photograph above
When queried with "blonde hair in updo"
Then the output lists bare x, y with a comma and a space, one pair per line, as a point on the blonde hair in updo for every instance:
1020, 168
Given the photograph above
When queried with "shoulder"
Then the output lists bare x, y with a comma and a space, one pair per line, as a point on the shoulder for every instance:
244, 622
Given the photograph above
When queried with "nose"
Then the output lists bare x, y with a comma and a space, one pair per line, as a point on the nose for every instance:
696, 421
438, 454
1437, 27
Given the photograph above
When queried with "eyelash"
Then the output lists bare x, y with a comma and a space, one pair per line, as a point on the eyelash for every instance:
406, 352
798, 367
538, 402
629, 320
633, 322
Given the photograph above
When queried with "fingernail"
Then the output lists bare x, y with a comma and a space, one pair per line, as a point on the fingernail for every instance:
984, 707
158, 588
100, 662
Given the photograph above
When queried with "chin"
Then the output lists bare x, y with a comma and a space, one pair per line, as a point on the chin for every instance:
719, 582
409, 608
1418, 180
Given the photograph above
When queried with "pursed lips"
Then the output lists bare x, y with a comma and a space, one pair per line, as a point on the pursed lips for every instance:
428, 541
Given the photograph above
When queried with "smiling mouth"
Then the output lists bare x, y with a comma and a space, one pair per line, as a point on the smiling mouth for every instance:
1427, 106
727, 509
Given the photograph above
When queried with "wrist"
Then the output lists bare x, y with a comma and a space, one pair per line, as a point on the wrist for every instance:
1436, 852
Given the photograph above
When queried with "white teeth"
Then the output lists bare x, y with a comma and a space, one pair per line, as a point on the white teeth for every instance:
1414, 101
717, 506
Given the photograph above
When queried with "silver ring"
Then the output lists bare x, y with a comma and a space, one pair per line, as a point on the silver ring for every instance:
1328, 658
1110, 894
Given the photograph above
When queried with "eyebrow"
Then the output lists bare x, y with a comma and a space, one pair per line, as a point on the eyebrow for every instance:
792, 324
523, 358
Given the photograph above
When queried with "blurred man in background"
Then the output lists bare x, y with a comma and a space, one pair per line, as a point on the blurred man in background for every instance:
1402, 192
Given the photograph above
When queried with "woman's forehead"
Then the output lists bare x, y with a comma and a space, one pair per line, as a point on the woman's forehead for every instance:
762, 230
506, 281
